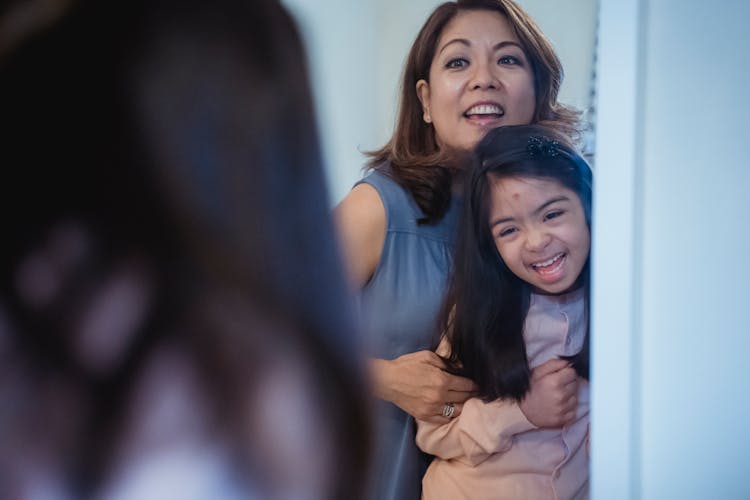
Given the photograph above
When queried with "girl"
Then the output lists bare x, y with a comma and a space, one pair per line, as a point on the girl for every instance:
517, 323
475, 65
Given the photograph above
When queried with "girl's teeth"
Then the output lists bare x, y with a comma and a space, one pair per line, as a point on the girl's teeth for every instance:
547, 262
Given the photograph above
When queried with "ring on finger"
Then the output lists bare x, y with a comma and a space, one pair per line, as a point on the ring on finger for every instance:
448, 410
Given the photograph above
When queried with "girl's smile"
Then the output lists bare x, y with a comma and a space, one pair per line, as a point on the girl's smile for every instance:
550, 269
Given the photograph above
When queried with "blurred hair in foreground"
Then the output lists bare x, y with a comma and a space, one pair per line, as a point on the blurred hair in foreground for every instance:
173, 317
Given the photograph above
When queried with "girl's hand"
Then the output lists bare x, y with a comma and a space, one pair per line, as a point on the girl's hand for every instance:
553, 397
418, 384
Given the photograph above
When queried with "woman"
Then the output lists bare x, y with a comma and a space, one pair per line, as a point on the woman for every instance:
475, 65
170, 295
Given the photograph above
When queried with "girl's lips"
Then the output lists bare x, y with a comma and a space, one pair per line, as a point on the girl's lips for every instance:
547, 262
550, 269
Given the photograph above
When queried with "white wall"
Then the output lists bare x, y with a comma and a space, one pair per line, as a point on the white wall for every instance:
342, 39
571, 27
357, 50
672, 246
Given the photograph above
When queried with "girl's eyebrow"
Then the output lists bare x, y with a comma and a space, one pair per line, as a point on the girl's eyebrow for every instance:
549, 202
541, 208
467, 43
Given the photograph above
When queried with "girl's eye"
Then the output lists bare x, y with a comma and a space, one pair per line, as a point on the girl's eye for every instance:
553, 215
510, 60
507, 231
458, 62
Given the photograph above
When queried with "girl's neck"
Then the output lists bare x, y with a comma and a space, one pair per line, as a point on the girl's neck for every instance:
577, 285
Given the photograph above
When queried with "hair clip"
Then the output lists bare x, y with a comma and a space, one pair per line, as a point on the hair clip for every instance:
542, 146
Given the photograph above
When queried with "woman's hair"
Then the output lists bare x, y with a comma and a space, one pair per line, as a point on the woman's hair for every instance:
486, 305
179, 134
415, 157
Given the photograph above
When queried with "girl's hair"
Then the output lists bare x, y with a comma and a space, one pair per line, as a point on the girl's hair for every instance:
486, 305
181, 133
415, 158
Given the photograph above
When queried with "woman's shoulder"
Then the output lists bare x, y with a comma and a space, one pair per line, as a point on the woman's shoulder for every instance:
361, 222
363, 207
402, 212
396, 199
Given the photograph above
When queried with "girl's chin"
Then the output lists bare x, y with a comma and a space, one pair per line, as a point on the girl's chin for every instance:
557, 288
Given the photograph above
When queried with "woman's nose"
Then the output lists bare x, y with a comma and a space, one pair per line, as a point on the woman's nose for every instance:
484, 77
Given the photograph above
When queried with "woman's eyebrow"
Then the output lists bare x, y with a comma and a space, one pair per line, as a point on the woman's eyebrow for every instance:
462, 41
501, 45
467, 43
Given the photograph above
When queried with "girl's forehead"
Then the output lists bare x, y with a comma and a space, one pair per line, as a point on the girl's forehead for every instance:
532, 181
527, 188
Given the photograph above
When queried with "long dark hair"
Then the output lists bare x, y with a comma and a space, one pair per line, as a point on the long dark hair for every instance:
486, 306
179, 134
415, 159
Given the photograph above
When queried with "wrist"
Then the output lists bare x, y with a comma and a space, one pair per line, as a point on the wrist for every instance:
380, 374
527, 411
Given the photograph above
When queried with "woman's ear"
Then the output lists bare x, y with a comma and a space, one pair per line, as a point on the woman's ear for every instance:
423, 93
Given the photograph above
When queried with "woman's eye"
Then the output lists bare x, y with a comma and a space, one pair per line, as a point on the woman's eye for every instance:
458, 62
507, 231
509, 60
553, 215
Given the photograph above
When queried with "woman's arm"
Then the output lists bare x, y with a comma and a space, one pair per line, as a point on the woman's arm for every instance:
360, 219
418, 384
415, 382
484, 429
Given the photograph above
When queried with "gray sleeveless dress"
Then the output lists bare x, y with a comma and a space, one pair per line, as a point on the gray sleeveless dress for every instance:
399, 308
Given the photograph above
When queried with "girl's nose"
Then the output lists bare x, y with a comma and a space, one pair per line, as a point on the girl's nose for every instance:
537, 240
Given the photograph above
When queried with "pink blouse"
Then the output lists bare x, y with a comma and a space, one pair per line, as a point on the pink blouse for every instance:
492, 451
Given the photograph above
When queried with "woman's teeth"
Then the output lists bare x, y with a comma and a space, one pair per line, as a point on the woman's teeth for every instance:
484, 109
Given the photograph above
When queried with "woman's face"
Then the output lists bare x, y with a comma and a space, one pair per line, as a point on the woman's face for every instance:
480, 78
540, 231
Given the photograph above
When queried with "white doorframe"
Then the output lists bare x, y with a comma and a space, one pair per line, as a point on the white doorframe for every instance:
616, 261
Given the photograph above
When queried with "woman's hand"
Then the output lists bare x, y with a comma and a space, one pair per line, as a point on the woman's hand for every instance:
553, 397
418, 384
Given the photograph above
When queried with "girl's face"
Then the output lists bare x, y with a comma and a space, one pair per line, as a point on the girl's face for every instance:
540, 231
480, 78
